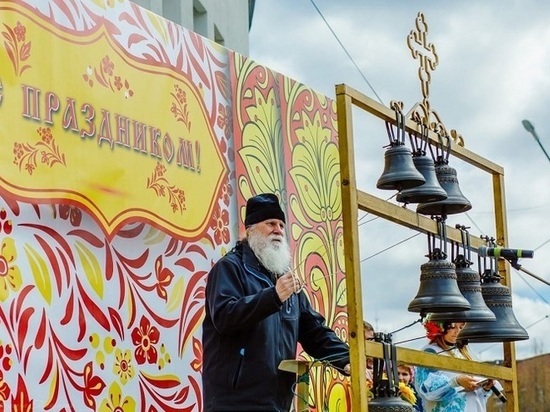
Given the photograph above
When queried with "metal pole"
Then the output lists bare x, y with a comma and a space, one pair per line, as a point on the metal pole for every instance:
531, 129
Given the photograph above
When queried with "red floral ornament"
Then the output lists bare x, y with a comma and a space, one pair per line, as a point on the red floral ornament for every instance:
145, 337
164, 278
93, 386
433, 330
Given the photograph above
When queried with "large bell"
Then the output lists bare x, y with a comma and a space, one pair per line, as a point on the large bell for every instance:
469, 284
389, 404
455, 202
431, 191
438, 291
385, 380
499, 300
399, 170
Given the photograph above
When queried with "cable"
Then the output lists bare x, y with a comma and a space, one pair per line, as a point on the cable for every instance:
406, 326
527, 327
526, 124
390, 247
343, 48
473, 223
410, 340
532, 288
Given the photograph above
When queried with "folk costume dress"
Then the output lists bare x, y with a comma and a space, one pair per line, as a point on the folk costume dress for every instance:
440, 391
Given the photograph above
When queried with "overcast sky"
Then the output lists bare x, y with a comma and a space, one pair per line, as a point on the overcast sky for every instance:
493, 72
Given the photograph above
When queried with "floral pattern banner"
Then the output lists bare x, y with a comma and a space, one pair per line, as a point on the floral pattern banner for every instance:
286, 142
113, 108
130, 147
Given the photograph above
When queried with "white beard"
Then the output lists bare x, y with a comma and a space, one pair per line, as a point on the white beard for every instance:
273, 255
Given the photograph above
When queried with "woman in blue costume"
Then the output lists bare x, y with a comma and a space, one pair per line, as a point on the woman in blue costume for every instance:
446, 391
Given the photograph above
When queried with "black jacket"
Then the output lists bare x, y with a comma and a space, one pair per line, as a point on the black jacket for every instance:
247, 332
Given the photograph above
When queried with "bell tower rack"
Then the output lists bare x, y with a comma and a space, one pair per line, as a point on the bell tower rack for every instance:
354, 199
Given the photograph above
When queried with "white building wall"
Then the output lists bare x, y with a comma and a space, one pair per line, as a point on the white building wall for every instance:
224, 21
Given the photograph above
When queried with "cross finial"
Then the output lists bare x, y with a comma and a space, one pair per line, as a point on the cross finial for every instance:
424, 52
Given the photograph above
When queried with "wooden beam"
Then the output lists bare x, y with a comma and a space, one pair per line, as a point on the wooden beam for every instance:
388, 115
408, 218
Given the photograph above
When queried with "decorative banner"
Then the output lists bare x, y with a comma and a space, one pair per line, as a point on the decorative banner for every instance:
130, 146
85, 121
301, 166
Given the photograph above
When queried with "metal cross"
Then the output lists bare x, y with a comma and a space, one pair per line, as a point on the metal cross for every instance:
424, 52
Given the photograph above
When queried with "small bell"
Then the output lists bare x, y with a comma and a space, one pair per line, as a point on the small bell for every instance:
399, 170
386, 381
455, 202
431, 191
389, 404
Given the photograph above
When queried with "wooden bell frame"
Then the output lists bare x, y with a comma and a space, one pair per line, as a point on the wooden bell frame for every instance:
354, 199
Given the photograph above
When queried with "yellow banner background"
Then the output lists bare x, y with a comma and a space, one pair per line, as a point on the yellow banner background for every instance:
84, 122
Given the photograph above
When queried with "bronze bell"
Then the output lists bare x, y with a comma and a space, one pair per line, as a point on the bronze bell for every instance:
455, 202
469, 284
438, 291
389, 404
431, 191
498, 298
399, 170
386, 381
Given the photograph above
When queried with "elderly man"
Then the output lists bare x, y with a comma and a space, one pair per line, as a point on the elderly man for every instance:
256, 314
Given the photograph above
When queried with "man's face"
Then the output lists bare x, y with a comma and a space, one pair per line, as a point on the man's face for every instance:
273, 229
267, 241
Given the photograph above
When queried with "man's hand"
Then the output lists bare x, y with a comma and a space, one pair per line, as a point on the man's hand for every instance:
347, 369
286, 285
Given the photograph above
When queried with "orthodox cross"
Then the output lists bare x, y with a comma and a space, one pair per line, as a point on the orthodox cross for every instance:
425, 52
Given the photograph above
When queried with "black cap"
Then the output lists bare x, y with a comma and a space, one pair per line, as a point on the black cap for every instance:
263, 207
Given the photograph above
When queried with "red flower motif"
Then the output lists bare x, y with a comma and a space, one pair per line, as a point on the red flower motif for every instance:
73, 213
45, 134
227, 191
433, 330
20, 31
196, 363
144, 338
118, 82
224, 119
180, 94
4, 390
107, 65
93, 386
164, 278
220, 223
